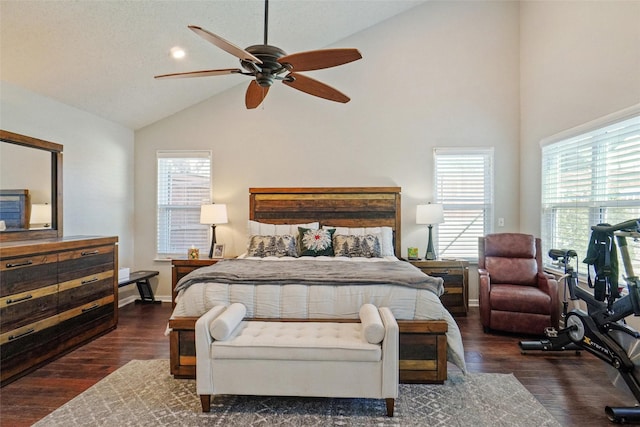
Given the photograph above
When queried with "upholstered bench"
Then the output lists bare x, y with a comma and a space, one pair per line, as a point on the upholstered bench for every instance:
322, 359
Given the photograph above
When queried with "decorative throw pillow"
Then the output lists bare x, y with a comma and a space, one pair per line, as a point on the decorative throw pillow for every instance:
367, 246
223, 325
385, 234
279, 246
315, 242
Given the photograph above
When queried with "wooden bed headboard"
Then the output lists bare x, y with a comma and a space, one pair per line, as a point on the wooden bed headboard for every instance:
337, 206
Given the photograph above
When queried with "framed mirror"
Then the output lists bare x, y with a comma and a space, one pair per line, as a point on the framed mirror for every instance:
30, 188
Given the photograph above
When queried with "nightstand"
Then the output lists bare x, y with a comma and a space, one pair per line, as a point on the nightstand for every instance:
182, 267
456, 282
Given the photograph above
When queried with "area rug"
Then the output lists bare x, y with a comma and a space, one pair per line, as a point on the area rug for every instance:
143, 393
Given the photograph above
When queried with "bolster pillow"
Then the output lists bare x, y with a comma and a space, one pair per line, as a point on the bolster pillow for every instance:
372, 326
223, 325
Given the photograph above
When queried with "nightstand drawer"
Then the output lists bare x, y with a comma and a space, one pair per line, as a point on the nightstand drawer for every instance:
455, 274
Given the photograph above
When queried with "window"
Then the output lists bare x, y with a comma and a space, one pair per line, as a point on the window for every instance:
590, 177
184, 184
464, 186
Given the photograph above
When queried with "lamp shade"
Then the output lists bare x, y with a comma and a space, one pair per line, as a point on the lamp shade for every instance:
40, 214
431, 213
213, 214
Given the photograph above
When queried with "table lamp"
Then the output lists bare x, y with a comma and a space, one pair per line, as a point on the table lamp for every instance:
430, 214
40, 215
213, 214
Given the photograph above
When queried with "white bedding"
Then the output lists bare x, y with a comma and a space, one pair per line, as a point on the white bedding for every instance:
323, 301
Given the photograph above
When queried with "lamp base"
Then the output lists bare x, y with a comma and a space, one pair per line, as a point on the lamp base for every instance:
213, 240
431, 253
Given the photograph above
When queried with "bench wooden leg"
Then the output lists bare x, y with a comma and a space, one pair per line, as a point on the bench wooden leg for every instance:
205, 400
390, 404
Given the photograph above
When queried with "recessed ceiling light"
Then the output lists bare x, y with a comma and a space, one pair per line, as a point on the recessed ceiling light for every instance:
177, 52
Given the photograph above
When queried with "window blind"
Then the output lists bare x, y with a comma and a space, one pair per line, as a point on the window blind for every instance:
590, 178
184, 184
464, 186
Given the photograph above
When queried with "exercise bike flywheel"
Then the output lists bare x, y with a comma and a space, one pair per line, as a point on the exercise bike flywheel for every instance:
574, 322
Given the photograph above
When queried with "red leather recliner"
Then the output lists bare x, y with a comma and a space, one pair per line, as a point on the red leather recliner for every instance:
515, 294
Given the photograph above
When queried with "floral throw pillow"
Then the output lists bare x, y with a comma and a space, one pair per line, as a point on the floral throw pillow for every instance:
315, 242
279, 246
367, 246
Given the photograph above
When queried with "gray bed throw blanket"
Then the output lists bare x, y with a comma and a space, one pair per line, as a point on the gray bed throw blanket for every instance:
312, 272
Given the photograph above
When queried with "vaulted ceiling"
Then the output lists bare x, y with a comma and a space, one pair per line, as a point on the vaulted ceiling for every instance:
101, 56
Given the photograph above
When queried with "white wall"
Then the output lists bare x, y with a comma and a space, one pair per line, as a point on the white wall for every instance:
97, 163
443, 74
580, 62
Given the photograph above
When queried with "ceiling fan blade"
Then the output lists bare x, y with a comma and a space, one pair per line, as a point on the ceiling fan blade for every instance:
255, 95
318, 59
224, 44
315, 88
203, 73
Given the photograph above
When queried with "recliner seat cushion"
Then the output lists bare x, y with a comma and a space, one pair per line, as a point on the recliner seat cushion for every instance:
297, 341
517, 298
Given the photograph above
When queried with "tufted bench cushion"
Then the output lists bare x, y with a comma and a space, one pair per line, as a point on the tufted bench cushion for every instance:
297, 341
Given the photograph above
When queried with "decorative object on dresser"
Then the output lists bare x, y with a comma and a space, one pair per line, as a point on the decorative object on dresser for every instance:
213, 214
430, 214
56, 295
456, 282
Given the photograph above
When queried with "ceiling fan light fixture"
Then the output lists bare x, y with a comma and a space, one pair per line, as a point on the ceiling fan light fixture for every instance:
177, 52
268, 64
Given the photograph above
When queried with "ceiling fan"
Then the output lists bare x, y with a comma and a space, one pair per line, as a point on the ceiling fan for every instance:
268, 64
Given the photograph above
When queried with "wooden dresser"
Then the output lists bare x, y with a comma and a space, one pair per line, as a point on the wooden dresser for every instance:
56, 295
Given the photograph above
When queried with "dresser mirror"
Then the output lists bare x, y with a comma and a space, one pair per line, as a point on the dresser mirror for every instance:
30, 188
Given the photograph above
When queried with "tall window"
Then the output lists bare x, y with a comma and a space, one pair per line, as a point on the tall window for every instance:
464, 186
590, 177
184, 184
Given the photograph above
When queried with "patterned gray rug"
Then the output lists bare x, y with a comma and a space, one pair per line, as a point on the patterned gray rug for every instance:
142, 393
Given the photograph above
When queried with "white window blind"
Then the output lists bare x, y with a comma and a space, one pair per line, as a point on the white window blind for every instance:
589, 178
184, 184
464, 186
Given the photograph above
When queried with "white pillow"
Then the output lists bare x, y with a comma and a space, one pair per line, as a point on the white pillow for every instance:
372, 326
264, 229
385, 235
223, 325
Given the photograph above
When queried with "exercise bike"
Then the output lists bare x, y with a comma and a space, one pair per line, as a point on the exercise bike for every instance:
602, 330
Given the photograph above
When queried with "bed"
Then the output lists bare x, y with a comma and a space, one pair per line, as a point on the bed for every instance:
323, 286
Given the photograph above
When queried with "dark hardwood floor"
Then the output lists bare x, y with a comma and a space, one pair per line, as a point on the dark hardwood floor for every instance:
574, 388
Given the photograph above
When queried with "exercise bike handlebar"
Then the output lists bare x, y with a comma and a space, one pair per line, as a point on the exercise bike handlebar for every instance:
632, 225
556, 254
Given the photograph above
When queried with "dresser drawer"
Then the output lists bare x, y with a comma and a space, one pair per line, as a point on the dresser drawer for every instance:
85, 262
24, 274
28, 307
81, 291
